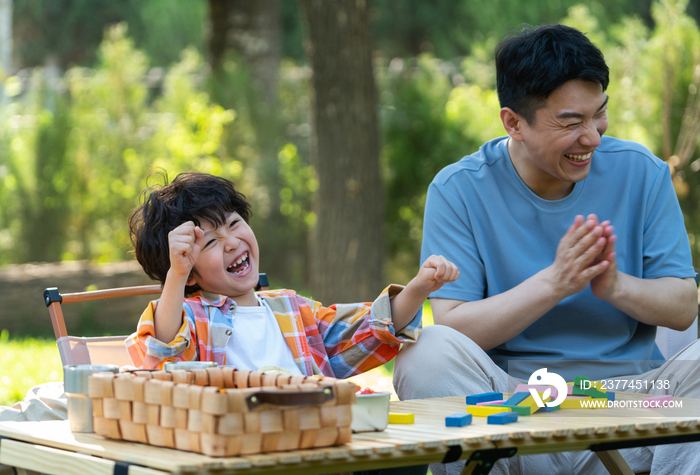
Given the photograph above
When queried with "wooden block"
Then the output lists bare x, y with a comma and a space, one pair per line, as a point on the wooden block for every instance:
484, 411
269, 441
153, 414
214, 401
483, 397
110, 408
308, 439
168, 417
250, 443
269, 379
326, 436
181, 376
517, 398
194, 420
166, 393
155, 435
502, 418
548, 409
289, 440
125, 410
240, 377
231, 424
229, 372
458, 420
201, 377
251, 422
344, 415
152, 391
578, 381
97, 408
216, 377
162, 376
209, 423
520, 410
180, 418
530, 402
329, 416
540, 388
291, 419
182, 440
396, 418
271, 421
123, 389
196, 397
610, 395
254, 379
139, 412
309, 418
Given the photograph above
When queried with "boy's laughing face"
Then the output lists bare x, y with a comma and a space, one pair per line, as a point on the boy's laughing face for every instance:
228, 260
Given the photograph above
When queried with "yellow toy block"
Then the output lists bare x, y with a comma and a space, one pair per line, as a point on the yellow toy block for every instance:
584, 403
395, 418
485, 411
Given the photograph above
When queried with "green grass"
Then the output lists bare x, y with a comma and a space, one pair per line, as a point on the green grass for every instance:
24, 363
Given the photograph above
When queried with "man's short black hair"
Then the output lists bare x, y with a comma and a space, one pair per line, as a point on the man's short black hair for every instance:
189, 197
536, 61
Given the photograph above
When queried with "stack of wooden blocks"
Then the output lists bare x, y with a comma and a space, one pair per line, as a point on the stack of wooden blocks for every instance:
209, 411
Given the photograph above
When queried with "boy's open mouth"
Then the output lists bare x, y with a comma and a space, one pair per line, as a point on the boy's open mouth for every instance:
239, 266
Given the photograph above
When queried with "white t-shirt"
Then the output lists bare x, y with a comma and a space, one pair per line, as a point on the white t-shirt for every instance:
257, 341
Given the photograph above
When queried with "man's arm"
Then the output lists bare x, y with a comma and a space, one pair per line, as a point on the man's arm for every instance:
509, 313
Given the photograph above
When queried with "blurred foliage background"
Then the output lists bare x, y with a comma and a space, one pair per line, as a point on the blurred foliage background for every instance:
100, 94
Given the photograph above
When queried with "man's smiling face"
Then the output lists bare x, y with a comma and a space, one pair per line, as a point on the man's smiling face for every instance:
556, 149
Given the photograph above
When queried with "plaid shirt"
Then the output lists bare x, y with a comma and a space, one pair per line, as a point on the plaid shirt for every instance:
339, 341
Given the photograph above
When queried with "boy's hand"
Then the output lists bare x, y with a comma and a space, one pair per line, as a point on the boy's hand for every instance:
185, 244
435, 271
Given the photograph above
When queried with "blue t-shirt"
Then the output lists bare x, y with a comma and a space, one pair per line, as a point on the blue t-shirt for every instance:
480, 215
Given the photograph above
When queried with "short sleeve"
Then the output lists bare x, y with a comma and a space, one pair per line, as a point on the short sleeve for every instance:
447, 231
666, 247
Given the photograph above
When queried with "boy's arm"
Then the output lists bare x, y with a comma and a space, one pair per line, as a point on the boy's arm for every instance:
435, 271
185, 244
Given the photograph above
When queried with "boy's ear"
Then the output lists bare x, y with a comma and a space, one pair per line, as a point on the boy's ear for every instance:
190, 280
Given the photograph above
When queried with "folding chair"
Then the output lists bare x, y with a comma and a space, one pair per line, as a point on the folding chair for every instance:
100, 349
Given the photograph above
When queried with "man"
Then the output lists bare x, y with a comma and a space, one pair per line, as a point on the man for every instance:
541, 285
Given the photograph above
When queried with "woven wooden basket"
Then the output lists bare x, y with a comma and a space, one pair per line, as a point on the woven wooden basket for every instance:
222, 411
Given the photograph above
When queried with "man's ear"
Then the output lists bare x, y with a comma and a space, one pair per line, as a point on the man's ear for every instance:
512, 122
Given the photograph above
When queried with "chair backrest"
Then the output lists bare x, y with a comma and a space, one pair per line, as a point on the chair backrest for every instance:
102, 349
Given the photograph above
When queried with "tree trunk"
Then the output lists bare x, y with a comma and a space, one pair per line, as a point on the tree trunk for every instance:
347, 255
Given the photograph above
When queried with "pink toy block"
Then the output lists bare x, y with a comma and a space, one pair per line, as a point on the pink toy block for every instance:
540, 388
654, 402
491, 403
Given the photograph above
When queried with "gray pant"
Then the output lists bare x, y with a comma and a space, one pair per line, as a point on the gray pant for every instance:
444, 362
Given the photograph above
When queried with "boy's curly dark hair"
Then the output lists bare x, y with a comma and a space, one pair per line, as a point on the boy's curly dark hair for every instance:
189, 197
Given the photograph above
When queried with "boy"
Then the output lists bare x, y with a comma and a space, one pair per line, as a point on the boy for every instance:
192, 235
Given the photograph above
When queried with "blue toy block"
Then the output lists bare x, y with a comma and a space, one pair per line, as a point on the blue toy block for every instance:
458, 420
502, 418
548, 409
611, 395
516, 399
485, 397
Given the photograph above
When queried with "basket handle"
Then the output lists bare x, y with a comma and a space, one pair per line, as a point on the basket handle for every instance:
290, 398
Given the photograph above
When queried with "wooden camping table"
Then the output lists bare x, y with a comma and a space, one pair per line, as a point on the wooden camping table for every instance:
50, 447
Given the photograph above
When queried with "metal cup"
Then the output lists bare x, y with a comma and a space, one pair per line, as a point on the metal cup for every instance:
75, 383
